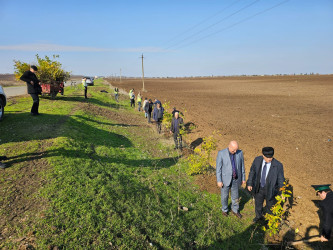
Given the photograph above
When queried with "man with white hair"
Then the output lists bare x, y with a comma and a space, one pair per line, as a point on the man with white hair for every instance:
230, 175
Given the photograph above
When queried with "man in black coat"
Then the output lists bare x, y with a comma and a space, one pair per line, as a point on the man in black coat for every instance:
33, 86
266, 177
176, 123
325, 193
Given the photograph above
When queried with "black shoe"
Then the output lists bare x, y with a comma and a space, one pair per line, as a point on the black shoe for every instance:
34, 114
2, 165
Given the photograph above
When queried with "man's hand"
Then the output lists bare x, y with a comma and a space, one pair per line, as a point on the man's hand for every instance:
32, 82
220, 184
170, 132
322, 239
243, 182
249, 188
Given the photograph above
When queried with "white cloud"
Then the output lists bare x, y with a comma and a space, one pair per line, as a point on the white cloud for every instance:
65, 48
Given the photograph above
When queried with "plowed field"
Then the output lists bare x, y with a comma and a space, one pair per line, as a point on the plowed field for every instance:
293, 114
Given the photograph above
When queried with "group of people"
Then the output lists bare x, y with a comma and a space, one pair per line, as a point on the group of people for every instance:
266, 178
155, 110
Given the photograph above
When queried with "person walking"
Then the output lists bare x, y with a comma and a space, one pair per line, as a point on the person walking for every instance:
130, 93
149, 109
156, 102
139, 100
158, 116
266, 177
144, 106
132, 99
176, 123
116, 94
85, 85
33, 87
326, 205
230, 175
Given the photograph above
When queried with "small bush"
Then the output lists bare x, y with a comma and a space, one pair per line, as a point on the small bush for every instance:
167, 117
200, 160
274, 220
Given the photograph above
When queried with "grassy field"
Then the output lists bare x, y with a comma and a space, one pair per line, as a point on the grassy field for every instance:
91, 174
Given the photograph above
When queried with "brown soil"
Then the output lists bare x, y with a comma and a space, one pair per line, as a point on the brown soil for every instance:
293, 114
21, 203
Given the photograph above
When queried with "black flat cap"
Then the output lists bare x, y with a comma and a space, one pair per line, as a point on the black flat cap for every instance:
34, 67
268, 152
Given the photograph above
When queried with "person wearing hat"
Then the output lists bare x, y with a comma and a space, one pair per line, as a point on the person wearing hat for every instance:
266, 177
33, 87
326, 195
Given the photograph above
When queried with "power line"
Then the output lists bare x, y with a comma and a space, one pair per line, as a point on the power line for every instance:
208, 27
203, 21
235, 24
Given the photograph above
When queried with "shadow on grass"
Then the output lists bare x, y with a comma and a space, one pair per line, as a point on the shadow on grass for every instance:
79, 128
20, 127
82, 154
93, 101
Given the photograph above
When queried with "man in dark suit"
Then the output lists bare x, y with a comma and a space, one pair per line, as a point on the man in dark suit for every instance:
265, 180
33, 86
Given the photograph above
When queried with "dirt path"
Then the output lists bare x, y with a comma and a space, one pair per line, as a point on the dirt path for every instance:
293, 114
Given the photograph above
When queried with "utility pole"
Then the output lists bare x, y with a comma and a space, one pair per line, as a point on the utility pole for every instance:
120, 76
143, 75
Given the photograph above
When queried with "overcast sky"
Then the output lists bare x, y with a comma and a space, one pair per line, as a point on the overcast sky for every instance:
177, 37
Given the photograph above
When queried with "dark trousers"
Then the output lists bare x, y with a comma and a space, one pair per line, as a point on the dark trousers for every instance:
149, 117
35, 104
85, 92
139, 106
132, 103
178, 140
159, 126
116, 97
259, 201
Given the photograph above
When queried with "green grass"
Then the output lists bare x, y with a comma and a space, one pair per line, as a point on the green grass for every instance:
106, 182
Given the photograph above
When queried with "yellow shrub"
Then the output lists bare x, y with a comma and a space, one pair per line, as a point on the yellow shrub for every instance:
199, 161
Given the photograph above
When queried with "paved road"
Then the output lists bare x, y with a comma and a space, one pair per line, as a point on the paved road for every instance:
22, 90
15, 91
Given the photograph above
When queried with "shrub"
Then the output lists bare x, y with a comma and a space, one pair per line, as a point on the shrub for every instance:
274, 220
49, 71
167, 116
199, 161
